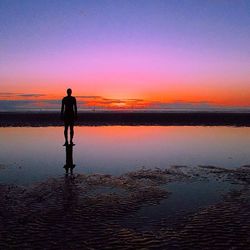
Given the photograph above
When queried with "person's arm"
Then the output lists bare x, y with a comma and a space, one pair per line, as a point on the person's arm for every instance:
75, 105
62, 109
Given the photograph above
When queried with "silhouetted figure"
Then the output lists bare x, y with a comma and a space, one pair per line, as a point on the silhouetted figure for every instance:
69, 115
69, 159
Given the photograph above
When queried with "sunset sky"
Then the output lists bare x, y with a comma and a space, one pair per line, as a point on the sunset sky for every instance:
153, 54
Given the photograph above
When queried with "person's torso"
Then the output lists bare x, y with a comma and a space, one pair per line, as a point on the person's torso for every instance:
69, 102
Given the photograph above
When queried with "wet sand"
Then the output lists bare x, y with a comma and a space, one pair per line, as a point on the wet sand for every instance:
89, 211
35, 119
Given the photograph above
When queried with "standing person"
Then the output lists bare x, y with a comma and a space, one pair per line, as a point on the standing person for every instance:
69, 115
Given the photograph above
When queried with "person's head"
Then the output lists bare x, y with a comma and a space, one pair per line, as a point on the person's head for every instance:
69, 92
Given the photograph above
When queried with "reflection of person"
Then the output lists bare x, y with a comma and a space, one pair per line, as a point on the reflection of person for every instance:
70, 197
69, 115
69, 159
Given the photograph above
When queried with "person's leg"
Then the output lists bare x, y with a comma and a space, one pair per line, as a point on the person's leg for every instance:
71, 133
66, 126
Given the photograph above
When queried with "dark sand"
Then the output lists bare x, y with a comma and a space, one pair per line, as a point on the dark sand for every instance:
127, 118
75, 213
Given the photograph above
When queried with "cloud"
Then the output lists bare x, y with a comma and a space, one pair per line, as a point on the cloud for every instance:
13, 95
22, 101
136, 100
51, 101
8, 94
12, 105
191, 106
89, 97
6, 105
30, 95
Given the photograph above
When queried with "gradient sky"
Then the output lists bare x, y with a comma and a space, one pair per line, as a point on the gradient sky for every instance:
124, 53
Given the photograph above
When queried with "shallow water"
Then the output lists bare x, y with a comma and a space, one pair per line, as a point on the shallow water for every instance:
33, 154
185, 199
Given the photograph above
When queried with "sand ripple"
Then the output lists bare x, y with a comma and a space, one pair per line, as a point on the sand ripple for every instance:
86, 212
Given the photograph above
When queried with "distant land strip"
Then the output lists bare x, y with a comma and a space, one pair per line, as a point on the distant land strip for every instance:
43, 119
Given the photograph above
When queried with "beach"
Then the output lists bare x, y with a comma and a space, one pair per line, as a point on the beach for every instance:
98, 118
129, 187
101, 212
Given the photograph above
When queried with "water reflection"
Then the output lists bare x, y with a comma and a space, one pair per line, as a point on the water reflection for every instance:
69, 166
117, 150
70, 197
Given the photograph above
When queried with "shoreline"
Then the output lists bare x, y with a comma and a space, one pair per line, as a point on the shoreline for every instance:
45, 119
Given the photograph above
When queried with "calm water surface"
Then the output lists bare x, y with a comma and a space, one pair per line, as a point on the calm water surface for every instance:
28, 155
